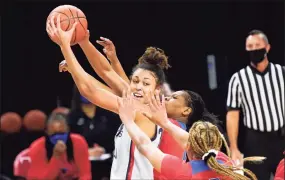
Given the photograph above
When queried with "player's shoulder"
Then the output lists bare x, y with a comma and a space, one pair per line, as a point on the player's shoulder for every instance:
38, 142
77, 139
278, 66
236, 74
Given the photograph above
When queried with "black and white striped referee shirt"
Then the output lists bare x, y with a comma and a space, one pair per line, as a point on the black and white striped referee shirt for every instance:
260, 96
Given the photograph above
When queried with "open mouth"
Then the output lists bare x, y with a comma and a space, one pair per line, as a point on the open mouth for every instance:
137, 95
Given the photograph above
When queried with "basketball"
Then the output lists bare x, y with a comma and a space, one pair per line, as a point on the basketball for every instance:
34, 120
68, 16
11, 122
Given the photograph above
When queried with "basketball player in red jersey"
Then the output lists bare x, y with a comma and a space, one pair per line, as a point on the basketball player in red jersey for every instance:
59, 155
203, 146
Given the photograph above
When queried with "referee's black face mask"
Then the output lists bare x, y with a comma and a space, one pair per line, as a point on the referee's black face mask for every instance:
256, 56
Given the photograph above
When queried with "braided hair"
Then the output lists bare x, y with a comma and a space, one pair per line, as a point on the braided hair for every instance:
204, 137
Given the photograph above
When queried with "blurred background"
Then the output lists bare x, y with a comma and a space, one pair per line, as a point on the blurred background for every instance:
193, 35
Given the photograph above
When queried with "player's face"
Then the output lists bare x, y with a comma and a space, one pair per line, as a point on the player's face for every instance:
56, 127
142, 83
254, 42
176, 104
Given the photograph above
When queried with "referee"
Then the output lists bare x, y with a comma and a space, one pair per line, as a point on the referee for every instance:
258, 90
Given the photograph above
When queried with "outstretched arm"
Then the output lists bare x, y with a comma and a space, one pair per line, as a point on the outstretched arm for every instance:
102, 67
87, 86
110, 51
63, 67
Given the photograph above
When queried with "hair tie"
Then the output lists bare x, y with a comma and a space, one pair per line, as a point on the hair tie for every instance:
210, 153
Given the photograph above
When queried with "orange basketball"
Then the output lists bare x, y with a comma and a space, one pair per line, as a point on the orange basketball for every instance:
34, 120
68, 16
11, 122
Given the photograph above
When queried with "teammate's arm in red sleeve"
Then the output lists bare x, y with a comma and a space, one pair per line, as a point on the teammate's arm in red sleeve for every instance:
40, 169
279, 175
173, 146
81, 157
174, 168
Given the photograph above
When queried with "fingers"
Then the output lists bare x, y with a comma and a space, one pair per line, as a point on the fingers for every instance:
73, 26
49, 29
158, 102
119, 100
58, 22
153, 100
129, 93
52, 24
130, 97
62, 62
124, 94
163, 101
149, 99
106, 40
101, 43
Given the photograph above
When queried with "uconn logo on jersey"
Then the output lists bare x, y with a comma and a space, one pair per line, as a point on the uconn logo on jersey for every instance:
120, 131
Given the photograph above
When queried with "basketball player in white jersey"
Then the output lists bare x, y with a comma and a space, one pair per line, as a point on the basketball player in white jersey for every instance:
147, 76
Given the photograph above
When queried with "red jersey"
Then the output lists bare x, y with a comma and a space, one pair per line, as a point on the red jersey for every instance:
175, 168
59, 168
168, 145
22, 163
279, 175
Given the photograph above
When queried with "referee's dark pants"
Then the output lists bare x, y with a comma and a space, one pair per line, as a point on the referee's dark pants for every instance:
267, 144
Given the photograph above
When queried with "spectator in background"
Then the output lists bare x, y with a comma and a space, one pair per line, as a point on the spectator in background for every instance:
59, 154
98, 126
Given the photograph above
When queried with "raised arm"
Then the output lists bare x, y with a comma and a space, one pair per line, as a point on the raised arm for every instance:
63, 67
102, 67
110, 51
88, 86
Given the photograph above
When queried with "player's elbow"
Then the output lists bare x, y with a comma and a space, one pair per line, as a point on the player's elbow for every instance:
86, 91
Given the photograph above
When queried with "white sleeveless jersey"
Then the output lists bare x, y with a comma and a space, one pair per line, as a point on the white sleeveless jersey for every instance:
128, 163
